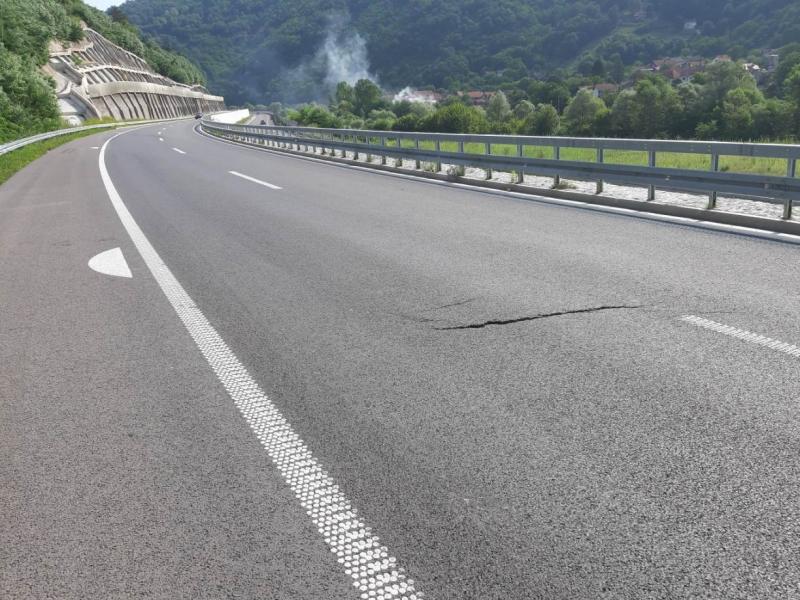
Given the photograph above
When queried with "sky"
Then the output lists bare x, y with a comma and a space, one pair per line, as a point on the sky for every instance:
103, 4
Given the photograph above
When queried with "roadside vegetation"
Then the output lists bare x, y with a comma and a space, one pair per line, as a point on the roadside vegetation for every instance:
723, 102
18, 159
27, 100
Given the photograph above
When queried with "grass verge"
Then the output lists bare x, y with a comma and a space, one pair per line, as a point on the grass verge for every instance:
14, 161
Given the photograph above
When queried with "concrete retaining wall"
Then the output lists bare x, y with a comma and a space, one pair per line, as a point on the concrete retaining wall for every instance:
97, 78
231, 117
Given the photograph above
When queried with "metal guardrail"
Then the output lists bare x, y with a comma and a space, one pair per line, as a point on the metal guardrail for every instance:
17, 144
427, 148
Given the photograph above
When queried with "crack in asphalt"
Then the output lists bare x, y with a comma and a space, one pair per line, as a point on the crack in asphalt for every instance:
541, 316
452, 304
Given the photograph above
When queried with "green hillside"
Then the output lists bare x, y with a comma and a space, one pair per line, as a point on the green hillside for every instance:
257, 50
27, 101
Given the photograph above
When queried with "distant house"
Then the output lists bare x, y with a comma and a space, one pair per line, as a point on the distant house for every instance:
680, 68
601, 90
690, 26
479, 98
423, 96
722, 58
756, 71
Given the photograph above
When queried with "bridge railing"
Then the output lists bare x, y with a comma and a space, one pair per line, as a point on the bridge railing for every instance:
685, 166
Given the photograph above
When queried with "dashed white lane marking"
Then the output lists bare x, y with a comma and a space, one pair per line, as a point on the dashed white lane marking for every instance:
179, 151
254, 180
743, 334
111, 262
374, 571
160, 139
95, 147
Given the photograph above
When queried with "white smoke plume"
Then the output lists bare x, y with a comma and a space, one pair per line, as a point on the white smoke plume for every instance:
345, 53
341, 57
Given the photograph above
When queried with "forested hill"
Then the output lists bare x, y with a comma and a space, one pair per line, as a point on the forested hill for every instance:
27, 99
255, 50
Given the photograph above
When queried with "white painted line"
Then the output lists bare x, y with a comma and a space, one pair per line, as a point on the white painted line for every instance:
95, 147
160, 139
373, 570
111, 262
743, 334
254, 180
179, 151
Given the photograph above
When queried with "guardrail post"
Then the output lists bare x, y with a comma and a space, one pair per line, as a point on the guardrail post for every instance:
398, 162
556, 156
651, 162
355, 153
788, 205
417, 163
383, 145
438, 160
521, 171
488, 153
712, 196
600, 159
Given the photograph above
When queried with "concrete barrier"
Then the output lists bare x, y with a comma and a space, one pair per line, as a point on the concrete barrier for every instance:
231, 117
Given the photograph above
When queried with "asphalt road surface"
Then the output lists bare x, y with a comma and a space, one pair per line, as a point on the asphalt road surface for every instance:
257, 117
323, 382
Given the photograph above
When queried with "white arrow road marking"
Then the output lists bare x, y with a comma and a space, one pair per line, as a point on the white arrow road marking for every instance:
179, 151
111, 262
359, 551
743, 334
254, 180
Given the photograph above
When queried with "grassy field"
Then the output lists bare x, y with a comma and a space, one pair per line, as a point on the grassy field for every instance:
670, 160
14, 161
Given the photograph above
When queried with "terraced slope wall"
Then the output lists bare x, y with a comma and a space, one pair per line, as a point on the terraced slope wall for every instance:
96, 78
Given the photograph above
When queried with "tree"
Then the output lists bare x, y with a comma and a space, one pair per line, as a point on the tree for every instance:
657, 104
736, 114
523, 109
366, 97
617, 69
544, 121
550, 92
344, 93
117, 15
498, 109
457, 118
625, 114
408, 122
584, 114
314, 115
774, 119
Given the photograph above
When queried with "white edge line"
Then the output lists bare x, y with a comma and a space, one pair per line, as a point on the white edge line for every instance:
743, 334
254, 180
533, 197
179, 151
372, 569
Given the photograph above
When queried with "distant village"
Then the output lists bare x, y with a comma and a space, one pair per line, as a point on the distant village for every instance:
678, 69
